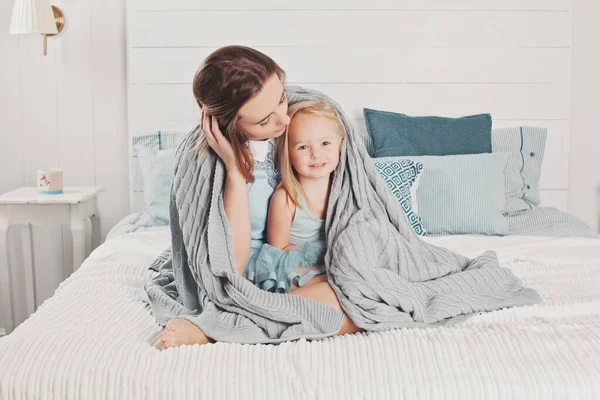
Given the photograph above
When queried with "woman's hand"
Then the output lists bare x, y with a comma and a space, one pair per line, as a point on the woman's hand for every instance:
219, 143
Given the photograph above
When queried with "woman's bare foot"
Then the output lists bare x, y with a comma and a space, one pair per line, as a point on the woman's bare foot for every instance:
180, 332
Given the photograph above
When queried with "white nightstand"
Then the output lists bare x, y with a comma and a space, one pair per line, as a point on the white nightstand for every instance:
24, 206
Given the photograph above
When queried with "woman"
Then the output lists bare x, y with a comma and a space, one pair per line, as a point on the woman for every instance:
242, 97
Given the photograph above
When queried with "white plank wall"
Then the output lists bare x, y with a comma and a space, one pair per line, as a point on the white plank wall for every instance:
584, 163
433, 5
65, 110
350, 28
509, 58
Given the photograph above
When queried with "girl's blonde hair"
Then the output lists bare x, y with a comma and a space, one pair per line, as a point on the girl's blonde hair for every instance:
289, 177
226, 80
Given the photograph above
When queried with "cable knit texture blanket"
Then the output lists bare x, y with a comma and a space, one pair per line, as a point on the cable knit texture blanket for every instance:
384, 276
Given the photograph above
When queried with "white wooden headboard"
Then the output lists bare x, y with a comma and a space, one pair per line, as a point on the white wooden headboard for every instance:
511, 58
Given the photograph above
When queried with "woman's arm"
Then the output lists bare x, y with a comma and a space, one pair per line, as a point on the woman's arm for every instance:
235, 196
237, 208
281, 214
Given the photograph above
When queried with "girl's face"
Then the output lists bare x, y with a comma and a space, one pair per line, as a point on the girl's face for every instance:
265, 115
314, 145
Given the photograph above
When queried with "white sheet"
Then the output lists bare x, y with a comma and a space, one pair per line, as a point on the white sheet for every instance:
75, 347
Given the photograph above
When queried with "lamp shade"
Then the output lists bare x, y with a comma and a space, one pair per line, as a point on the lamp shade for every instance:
32, 16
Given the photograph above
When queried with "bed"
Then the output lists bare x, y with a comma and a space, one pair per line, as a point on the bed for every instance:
95, 338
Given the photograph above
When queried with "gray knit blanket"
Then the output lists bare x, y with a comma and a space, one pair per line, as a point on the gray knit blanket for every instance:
384, 276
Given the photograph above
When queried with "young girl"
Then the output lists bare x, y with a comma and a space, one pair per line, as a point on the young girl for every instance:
308, 152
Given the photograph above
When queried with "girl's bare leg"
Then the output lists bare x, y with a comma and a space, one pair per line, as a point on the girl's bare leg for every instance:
319, 290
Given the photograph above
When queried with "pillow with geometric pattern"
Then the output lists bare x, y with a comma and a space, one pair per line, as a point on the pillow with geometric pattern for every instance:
402, 177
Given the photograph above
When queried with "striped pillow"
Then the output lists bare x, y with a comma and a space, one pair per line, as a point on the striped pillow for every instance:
159, 140
524, 166
463, 194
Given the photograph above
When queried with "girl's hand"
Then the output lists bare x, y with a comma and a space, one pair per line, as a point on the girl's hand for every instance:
219, 143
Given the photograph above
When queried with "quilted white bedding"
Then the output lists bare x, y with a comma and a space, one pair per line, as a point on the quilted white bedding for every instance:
85, 344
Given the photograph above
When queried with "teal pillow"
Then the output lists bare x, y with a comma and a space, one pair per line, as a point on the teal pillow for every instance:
403, 177
524, 167
157, 174
402, 135
462, 194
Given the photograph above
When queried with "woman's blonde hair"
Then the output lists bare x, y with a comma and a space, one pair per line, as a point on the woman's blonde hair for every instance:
289, 177
226, 80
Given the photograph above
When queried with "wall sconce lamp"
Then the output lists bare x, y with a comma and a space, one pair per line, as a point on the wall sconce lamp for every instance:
36, 16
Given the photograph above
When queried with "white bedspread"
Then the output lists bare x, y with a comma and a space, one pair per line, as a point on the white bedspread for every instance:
71, 348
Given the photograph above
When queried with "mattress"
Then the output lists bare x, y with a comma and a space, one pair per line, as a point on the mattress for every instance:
95, 339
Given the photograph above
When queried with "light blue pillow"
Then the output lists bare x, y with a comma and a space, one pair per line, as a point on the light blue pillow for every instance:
463, 194
401, 176
156, 157
397, 134
157, 174
524, 166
